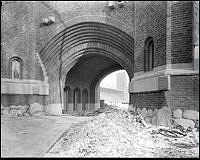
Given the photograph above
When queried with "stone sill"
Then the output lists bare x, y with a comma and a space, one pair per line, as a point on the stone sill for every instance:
150, 84
24, 86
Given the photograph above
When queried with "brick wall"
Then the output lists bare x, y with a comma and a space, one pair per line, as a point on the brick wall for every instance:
181, 31
66, 12
148, 99
8, 100
184, 94
18, 38
150, 20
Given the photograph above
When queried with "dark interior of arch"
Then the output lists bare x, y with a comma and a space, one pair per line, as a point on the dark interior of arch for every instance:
87, 73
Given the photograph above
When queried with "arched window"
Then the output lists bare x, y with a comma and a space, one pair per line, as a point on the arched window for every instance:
15, 68
149, 54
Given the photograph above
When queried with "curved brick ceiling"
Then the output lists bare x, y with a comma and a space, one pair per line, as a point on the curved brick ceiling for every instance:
61, 46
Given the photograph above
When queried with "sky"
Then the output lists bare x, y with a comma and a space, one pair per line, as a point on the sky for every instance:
110, 80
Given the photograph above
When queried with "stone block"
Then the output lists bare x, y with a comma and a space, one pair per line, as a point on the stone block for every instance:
191, 114
144, 112
177, 113
35, 108
164, 117
185, 122
54, 109
150, 113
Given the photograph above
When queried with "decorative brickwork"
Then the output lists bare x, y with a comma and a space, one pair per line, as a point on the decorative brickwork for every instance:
88, 40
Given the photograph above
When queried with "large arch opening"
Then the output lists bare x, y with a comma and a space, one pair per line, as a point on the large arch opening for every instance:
79, 57
86, 75
114, 90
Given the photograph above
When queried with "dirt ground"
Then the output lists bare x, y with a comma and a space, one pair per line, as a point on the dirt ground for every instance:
32, 136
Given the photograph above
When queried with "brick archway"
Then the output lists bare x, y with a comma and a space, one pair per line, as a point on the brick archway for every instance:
64, 51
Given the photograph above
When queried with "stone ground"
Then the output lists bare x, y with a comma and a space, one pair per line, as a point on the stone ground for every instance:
32, 136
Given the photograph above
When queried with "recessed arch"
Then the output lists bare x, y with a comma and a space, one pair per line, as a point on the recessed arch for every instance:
67, 98
86, 40
88, 35
149, 54
76, 98
84, 99
15, 68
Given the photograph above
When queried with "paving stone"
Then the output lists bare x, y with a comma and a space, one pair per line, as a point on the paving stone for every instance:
177, 113
191, 114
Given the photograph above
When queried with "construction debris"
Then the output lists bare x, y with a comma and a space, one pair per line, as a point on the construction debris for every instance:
117, 133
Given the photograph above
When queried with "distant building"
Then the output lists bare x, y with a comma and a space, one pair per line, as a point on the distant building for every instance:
118, 94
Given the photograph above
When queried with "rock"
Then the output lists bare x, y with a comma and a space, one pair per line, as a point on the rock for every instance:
20, 113
35, 108
154, 120
164, 117
26, 114
13, 107
148, 119
144, 112
191, 114
24, 109
54, 109
177, 113
139, 110
185, 122
150, 113
155, 112
14, 113
6, 111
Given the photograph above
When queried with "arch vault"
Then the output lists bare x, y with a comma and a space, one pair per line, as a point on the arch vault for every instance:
79, 57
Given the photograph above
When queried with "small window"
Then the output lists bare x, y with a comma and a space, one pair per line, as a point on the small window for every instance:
15, 68
149, 54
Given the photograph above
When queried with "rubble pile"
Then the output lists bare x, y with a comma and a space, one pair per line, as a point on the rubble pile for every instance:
34, 109
117, 133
